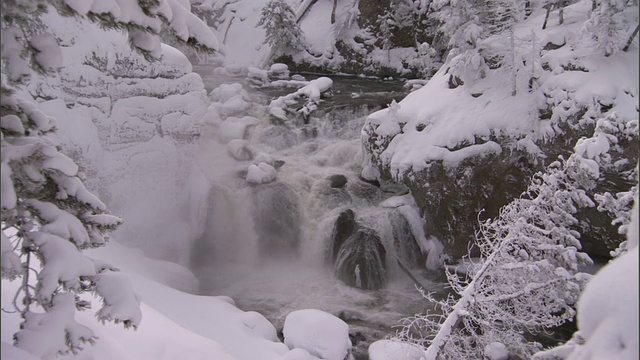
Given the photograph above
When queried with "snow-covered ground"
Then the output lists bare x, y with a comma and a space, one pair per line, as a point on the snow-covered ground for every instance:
440, 123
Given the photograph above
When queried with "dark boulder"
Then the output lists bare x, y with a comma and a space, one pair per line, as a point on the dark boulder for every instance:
337, 181
361, 261
343, 228
407, 248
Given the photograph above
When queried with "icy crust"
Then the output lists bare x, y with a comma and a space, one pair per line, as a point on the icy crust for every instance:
436, 123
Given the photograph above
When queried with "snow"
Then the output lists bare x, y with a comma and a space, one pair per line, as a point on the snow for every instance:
438, 123
394, 350
496, 351
46, 334
261, 174
279, 68
121, 303
12, 123
60, 222
312, 91
609, 323
9, 197
62, 263
48, 53
11, 264
10, 352
320, 333
175, 325
132, 126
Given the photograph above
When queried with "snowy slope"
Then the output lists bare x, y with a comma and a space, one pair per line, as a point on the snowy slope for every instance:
175, 325
439, 123
241, 41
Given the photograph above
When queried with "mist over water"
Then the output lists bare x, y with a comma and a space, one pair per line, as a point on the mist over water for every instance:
267, 246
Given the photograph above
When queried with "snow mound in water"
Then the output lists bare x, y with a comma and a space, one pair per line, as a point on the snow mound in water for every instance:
318, 332
261, 174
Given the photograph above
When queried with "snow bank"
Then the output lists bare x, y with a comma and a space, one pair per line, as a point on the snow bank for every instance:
320, 333
608, 310
175, 325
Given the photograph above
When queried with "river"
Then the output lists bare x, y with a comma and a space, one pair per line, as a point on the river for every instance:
241, 253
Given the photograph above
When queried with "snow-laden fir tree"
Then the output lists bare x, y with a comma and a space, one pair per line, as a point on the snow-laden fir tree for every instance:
610, 27
459, 24
385, 25
500, 18
48, 215
282, 32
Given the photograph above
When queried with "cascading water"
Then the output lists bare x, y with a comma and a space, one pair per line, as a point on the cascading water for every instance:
314, 237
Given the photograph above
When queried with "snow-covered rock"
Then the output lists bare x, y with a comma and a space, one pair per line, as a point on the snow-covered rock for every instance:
496, 351
261, 174
320, 333
394, 350
240, 150
279, 68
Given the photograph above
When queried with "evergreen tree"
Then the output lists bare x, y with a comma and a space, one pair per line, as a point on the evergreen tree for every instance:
459, 23
48, 216
609, 27
282, 31
500, 18
385, 24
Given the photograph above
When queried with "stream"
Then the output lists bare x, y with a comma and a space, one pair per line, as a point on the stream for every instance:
266, 245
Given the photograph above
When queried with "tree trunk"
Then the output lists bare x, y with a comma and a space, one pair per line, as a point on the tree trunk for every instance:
546, 17
561, 11
635, 32
465, 299
333, 11
594, 5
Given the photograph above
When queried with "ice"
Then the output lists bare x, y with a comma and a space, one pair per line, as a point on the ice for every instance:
320, 333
